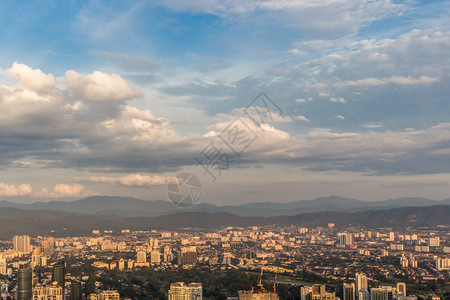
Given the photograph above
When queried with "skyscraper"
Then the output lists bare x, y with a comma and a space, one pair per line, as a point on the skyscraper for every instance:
349, 291
361, 282
48, 246
24, 281
75, 290
22, 243
59, 273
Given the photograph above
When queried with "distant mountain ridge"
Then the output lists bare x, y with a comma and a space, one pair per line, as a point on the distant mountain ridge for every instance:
15, 221
132, 207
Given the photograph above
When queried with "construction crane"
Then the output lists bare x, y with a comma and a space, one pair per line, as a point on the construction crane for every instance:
275, 284
260, 285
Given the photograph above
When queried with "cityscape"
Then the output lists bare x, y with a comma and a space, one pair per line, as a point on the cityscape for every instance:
224, 150
276, 262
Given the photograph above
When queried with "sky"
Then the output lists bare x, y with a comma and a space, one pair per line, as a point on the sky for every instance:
261, 100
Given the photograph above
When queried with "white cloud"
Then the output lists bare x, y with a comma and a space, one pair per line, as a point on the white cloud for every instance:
339, 117
302, 118
329, 17
99, 86
31, 79
10, 190
128, 180
338, 100
301, 100
400, 80
63, 191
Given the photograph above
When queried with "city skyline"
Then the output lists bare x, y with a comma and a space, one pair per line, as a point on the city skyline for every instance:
114, 98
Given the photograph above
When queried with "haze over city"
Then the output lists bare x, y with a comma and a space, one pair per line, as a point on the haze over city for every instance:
116, 98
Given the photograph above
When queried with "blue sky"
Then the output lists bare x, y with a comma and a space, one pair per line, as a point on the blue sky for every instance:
117, 97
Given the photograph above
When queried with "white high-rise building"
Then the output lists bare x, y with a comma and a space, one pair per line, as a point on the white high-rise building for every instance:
155, 257
363, 295
434, 242
3, 266
22, 243
141, 257
181, 291
442, 263
361, 283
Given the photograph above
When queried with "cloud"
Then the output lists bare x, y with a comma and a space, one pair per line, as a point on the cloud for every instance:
301, 118
339, 117
301, 100
138, 180
64, 132
400, 80
9, 190
313, 17
373, 125
63, 191
99, 86
58, 191
338, 100
32, 79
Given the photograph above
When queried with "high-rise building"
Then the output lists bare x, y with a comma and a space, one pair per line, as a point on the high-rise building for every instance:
404, 262
105, 295
442, 263
48, 246
141, 257
305, 292
24, 281
155, 257
121, 264
54, 291
346, 239
3, 266
401, 288
349, 291
434, 242
378, 294
186, 258
360, 283
75, 290
59, 273
181, 291
316, 292
263, 295
363, 294
22, 243
39, 292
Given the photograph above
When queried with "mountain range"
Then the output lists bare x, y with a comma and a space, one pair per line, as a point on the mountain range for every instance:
132, 207
15, 221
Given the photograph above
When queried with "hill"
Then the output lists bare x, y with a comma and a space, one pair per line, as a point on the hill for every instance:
132, 207
44, 222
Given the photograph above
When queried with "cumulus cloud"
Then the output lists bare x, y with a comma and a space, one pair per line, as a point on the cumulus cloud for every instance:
301, 100
115, 137
31, 79
302, 118
128, 180
63, 191
99, 86
338, 100
10, 190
